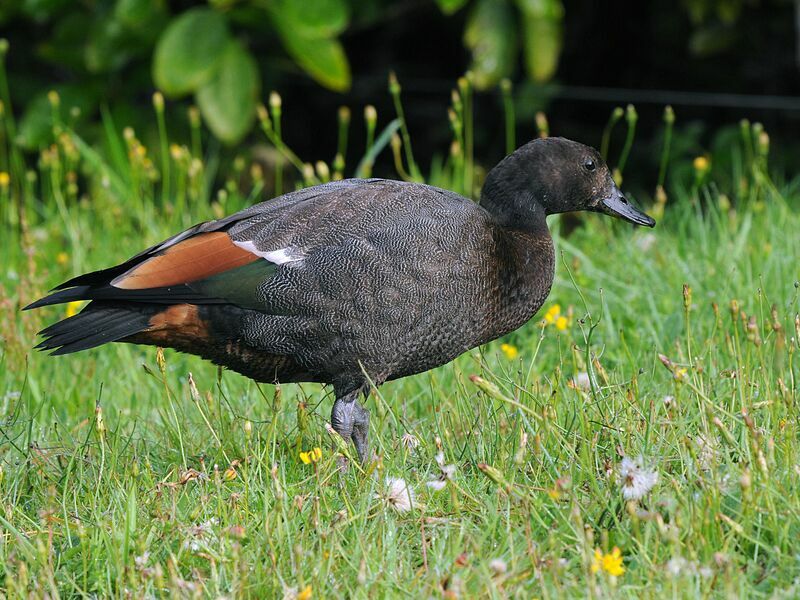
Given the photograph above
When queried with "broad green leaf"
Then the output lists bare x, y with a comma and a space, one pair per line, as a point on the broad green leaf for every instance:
491, 35
144, 17
551, 9
189, 51
323, 59
448, 7
105, 48
543, 40
133, 13
312, 18
228, 100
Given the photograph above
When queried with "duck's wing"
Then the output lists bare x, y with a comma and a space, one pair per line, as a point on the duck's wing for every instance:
215, 261
224, 262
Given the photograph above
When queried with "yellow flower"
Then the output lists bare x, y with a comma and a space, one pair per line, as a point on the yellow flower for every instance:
305, 593
510, 351
73, 308
610, 563
701, 164
562, 323
5, 179
309, 457
229, 474
62, 258
679, 374
552, 314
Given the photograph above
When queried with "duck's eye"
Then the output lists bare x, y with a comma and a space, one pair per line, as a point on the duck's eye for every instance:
589, 165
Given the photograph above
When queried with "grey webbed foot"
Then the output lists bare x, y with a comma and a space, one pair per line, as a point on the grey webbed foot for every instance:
351, 420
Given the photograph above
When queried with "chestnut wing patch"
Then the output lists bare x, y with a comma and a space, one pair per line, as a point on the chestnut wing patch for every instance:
206, 268
198, 257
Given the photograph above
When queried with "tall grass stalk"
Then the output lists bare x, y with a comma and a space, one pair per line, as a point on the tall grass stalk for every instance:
394, 90
465, 90
669, 123
630, 119
163, 141
615, 116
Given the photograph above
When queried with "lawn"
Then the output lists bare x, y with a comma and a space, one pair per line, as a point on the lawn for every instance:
643, 445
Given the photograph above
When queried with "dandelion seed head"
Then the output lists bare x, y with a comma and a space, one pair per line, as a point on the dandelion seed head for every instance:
676, 566
446, 473
635, 480
409, 441
397, 495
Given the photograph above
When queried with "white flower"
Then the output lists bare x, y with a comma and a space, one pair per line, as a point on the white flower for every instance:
142, 560
446, 473
705, 572
679, 566
635, 480
398, 495
581, 381
668, 401
676, 565
498, 566
645, 242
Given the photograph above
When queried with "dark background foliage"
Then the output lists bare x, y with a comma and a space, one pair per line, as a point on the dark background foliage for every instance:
715, 61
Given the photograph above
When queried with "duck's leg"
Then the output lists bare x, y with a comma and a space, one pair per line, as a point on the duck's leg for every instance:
351, 420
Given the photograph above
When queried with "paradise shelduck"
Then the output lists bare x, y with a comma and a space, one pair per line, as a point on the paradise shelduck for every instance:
351, 281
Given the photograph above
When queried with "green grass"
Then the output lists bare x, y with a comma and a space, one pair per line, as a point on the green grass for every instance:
116, 478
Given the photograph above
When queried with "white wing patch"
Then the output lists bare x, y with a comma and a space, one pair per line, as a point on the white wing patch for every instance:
278, 257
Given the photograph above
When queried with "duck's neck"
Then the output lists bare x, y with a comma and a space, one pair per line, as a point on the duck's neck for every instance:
511, 201
524, 265
524, 258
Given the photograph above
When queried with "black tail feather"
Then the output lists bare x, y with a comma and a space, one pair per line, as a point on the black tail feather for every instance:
97, 324
176, 294
62, 296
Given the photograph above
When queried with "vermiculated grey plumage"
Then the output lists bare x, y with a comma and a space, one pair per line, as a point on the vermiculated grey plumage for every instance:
394, 277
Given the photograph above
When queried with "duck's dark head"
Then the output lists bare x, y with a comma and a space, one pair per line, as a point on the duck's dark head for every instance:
554, 175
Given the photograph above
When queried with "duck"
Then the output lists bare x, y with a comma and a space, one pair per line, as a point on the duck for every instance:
351, 283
